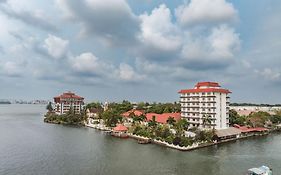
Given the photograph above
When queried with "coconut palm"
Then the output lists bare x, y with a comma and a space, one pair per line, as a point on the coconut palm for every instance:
206, 120
171, 121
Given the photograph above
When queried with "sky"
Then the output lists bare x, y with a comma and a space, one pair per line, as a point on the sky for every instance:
139, 50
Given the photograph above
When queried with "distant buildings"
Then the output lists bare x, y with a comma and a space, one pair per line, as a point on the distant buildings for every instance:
206, 105
247, 110
68, 100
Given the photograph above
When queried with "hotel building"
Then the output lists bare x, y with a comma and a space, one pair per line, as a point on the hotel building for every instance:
68, 100
206, 101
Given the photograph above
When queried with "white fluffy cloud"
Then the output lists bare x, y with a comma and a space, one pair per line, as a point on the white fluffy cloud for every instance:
224, 42
217, 49
25, 12
88, 64
205, 11
127, 73
56, 46
158, 31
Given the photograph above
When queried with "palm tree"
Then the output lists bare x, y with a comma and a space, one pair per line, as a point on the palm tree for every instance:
152, 122
180, 126
171, 121
142, 118
206, 120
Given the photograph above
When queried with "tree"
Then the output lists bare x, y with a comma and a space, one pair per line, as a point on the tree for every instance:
96, 105
49, 107
171, 121
180, 126
235, 118
258, 119
142, 118
152, 123
206, 120
111, 118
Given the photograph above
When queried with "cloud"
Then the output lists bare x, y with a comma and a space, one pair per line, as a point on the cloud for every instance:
213, 51
55, 46
205, 12
87, 64
12, 69
127, 73
270, 74
35, 18
112, 21
159, 36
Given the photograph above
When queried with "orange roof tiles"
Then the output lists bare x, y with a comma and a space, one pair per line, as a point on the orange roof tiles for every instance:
162, 118
133, 111
120, 128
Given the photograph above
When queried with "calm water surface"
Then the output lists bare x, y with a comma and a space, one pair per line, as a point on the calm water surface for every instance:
30, 147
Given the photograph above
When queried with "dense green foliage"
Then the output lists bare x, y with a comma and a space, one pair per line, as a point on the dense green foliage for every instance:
96, 105
111, 117
205, 135
120, 107
258, 119
255, 119
161, 108
70, 118
252, 104
164, 133
235, 118
158, 108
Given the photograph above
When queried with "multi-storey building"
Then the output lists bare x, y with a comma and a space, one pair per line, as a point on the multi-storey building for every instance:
206, 105
68, 100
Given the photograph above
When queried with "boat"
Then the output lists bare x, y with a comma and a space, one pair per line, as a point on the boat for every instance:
263, 170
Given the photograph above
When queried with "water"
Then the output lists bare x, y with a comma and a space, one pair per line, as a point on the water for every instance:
30, 147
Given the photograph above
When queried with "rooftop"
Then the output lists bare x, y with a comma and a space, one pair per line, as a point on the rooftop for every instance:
205, 87
69, 95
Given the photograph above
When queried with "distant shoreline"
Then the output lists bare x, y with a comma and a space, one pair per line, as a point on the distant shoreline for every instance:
5, 103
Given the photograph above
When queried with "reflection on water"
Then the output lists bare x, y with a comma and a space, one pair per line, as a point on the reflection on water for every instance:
29, 146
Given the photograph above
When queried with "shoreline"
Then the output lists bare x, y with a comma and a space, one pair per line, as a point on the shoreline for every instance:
194, 146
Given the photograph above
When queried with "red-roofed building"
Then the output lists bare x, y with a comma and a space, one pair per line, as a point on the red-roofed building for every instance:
68, 100
162, 118
120, 128
247, 130
120, 131
206, 99
133, 112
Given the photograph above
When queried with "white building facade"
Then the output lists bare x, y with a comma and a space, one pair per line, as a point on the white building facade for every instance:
68, 100
206, 105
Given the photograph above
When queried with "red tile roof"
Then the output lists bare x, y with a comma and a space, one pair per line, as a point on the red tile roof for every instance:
210, 84
225, 91
134, 111
162, 118
245, 129
69, 95
120, 128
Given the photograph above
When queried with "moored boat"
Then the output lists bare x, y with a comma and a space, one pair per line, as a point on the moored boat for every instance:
263, 170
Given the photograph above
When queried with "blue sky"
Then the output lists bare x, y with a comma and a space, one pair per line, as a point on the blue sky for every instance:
140, 50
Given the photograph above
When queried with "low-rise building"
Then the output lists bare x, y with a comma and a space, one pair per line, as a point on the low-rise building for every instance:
68, 100
162, 118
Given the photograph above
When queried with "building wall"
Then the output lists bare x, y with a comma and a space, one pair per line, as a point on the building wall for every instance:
196, 105
65, 104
